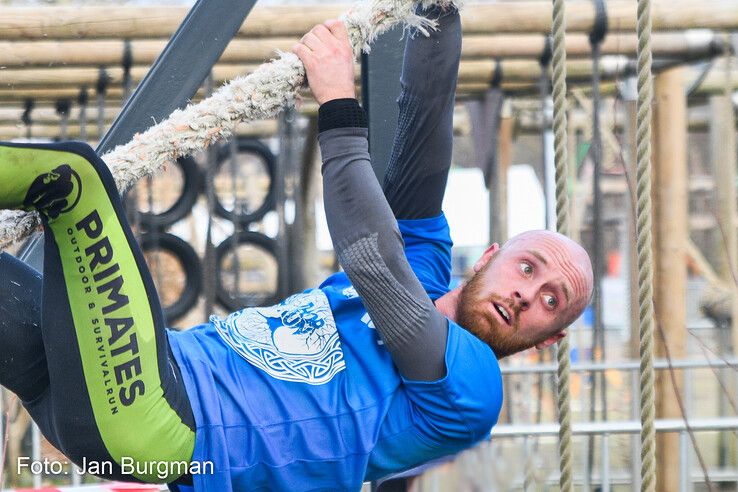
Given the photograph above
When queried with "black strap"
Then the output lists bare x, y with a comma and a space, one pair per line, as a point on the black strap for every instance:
127, 63
82, 100
103, 80
547, 53
600, 26
27, 110
497, 75
26, 116
62, 109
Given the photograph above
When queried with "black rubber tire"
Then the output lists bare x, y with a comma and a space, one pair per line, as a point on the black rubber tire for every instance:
183, 205
226, 298
248, 146
190, 264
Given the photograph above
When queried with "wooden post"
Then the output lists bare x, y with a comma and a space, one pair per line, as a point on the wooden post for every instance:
309, 177
670, 274
723, 148
504, 161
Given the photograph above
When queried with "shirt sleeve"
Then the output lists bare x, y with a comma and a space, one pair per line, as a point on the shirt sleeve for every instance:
428, 250
461, 408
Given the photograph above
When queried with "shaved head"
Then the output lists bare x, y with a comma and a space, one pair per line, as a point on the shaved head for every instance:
527, 292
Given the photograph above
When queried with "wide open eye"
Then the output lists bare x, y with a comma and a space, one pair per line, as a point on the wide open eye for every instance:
526, 268
550, 301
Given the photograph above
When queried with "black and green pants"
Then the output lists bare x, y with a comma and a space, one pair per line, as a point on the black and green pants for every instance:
96, 374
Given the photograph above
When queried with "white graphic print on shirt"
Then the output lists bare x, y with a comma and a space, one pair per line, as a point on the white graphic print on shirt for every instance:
295, 340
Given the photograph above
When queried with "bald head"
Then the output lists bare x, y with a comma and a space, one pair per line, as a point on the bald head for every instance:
567, 255
526, 293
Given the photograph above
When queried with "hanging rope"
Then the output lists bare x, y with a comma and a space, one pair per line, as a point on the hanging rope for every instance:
562, 225
644, 245
259, 95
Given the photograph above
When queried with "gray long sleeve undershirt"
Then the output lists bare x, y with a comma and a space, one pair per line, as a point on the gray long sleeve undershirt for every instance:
369, 245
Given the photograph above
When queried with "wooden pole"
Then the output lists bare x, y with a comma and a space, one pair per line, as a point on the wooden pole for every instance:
265, 128
470, 71
474, 75
465, 91
723, 148
106, 52
670, 239
105, 22
504, 161
46, 115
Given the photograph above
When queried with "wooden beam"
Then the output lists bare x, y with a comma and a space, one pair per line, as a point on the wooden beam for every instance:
264, 128
474, 75
472, 71
46, 115
671, 233
108, 52
105, 22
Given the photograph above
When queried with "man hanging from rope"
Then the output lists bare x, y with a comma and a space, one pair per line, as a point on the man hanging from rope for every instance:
378, 370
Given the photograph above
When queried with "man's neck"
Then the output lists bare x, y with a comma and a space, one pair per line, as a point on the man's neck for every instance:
448, 304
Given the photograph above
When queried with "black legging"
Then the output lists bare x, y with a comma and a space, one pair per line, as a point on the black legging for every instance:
96, 374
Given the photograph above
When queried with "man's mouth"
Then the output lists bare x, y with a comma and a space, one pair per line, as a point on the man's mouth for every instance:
503, 312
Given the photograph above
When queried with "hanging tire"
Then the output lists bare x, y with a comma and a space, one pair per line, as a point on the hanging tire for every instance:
254, 147
190, 265
183, 205
233, 299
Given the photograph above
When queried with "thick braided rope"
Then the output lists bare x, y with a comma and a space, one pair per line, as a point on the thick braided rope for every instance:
259, 95
644, 245
562, 225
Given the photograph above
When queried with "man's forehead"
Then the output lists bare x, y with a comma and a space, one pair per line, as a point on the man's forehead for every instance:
557, 251
547, 242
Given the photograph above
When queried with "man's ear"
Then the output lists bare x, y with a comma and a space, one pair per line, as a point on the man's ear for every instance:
551, 340
488, 253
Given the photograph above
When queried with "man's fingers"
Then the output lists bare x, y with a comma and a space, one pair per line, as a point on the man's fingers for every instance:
311, 41
302, 52
322, 33
337, 28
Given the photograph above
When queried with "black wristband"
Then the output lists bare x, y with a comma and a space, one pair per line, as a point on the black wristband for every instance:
341, 113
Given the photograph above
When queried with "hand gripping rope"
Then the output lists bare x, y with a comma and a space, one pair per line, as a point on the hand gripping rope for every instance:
261, 94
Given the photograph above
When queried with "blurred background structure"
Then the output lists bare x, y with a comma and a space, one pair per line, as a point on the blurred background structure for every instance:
242, 224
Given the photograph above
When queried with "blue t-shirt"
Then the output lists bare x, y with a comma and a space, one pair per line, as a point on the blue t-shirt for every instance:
303, 396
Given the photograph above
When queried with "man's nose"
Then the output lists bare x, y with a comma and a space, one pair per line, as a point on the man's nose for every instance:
520, 300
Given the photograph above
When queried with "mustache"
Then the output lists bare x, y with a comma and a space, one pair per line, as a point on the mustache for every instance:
509, 303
